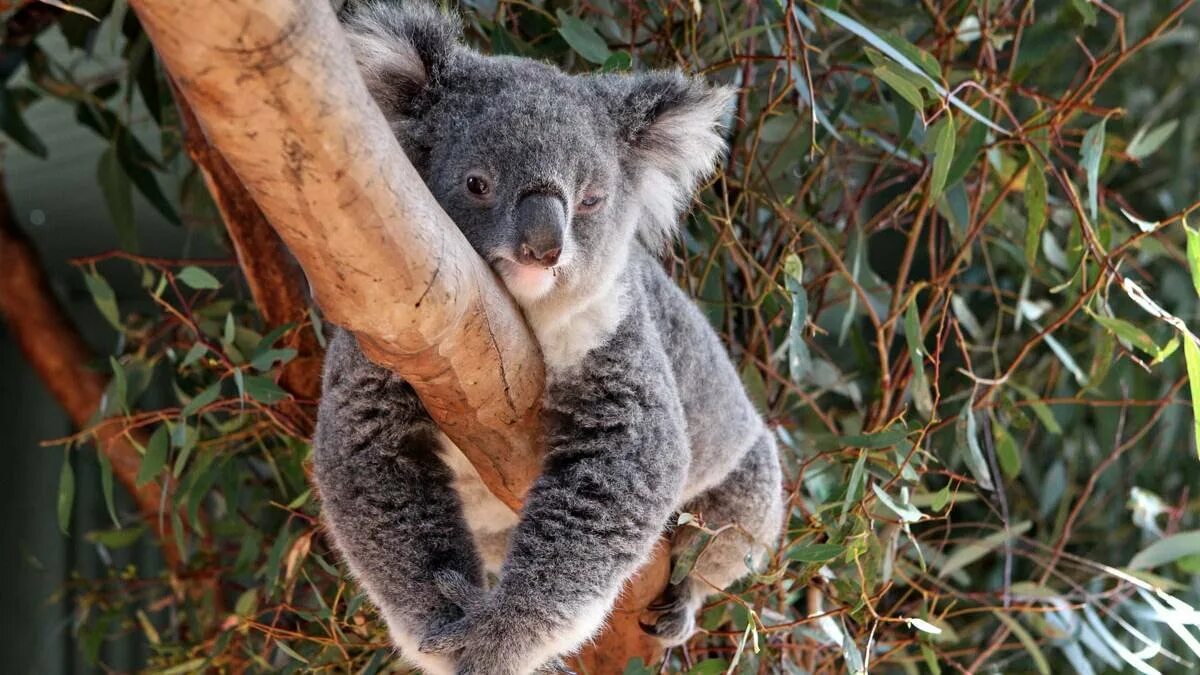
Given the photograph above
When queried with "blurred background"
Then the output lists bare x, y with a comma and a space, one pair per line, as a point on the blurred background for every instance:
949, 253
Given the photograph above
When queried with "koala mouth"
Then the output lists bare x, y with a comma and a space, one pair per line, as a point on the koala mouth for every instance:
527, 283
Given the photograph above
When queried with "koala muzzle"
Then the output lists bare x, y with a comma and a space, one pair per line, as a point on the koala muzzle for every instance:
541, 219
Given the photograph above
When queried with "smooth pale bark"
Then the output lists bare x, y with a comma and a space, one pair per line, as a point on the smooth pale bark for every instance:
274, 87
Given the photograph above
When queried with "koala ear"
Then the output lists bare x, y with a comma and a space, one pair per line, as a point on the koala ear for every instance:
403, 51
673, 126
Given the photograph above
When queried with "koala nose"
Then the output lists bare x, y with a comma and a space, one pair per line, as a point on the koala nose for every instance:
541, 219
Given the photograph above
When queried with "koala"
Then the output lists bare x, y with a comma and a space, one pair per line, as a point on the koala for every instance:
569, 186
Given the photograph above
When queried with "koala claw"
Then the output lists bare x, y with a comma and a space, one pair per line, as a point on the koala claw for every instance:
555, 666
447, 639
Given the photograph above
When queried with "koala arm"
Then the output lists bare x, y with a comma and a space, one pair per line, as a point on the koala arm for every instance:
387, 497
614, 471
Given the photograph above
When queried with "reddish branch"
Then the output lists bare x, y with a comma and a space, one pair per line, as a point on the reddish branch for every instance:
56, 351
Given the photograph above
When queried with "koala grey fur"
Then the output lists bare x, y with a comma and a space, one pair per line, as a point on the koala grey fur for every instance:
567, 186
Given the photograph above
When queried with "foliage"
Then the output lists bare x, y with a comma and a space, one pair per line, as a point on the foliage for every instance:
949, 253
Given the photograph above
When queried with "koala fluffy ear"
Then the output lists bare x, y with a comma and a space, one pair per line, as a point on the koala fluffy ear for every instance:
403, 50
674, 128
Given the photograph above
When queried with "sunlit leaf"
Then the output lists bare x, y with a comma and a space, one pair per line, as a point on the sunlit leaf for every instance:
66, 493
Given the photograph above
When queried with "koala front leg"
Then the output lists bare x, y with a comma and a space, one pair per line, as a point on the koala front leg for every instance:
387, 499
615, 467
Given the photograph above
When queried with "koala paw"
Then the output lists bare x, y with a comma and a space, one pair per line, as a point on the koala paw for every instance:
674, 616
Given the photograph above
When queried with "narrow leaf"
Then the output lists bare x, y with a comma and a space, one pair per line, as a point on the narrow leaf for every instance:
1035, 206
1091, 152
583, 38
118, 195
1192, 356
156, 456
198, 278
66, 493
942, 150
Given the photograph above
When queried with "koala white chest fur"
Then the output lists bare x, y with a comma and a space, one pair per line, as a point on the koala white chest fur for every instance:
568, 186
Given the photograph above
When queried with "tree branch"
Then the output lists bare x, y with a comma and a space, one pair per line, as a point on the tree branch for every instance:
276, 285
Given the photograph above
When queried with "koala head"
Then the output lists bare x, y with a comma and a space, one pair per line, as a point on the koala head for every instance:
551, 177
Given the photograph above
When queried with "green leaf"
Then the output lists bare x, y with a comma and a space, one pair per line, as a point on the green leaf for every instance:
1191, 354
265, 360
940, 499
264, 389
1086, 11
13, 125
913, 336
881, 439
1193, 254
198, 278
119, 538
137, 162
106, 486
197, 350
105, 299
1027, 641
709, 667
1006, 450
583, 38
290, 652
300, 499
202, 399
1129, 332
799, 360
919, 56
967, 436
1035, 206
1144, 143
118, 386
118, 195
66, 493
686, 559
1043, 411
942, 148
967, 153
899, 81
968, 553
1167, 549
155, 457
906, 512
816, 553
910, 63
617, 62
247, 603
1090, 154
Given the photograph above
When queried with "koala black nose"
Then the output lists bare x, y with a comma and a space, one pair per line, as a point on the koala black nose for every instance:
541, 219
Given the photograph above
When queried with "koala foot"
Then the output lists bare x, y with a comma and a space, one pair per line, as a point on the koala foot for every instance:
674, 615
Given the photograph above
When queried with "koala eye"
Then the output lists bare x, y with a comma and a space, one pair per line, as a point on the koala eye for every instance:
478, 185
589, 203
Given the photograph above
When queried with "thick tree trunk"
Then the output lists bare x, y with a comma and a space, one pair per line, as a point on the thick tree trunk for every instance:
273, 86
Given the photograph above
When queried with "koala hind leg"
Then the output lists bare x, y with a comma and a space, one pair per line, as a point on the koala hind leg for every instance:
751, 499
